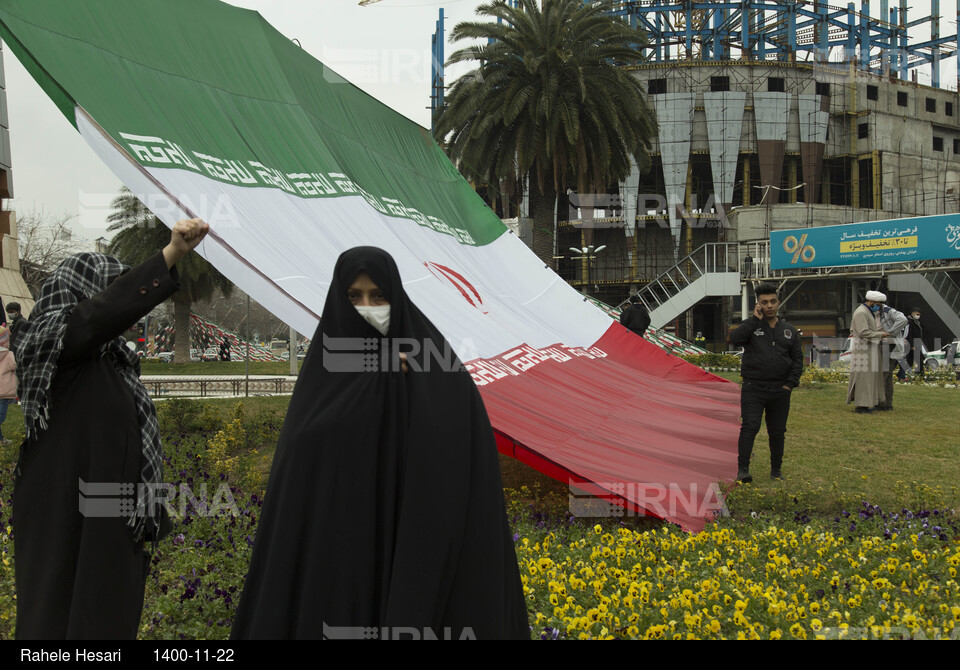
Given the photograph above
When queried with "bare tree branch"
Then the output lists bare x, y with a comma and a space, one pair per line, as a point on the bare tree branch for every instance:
43, 242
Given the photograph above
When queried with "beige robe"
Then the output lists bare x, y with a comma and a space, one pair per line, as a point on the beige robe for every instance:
866, 365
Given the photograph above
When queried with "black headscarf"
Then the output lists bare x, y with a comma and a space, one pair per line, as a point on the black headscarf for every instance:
38, 346
384, 509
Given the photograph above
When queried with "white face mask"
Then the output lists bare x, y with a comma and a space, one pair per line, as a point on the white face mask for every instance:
377, 316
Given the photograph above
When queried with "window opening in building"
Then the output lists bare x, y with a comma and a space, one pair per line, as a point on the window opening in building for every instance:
719, 83
873, 93
655, 86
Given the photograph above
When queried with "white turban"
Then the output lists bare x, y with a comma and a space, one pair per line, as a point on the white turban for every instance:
876, 296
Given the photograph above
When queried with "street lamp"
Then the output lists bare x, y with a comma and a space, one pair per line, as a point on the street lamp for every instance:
588, 253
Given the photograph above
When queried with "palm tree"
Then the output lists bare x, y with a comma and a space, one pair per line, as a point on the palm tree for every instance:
550, 101
139, 236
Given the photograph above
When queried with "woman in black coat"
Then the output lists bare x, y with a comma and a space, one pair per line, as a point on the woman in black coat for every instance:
384, 514
92, 436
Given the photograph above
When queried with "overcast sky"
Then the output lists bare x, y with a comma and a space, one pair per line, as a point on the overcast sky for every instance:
384, 48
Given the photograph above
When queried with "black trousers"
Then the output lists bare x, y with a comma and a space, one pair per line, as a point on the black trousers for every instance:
757, 399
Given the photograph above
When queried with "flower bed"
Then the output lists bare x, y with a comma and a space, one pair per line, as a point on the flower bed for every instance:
746, 582
786, 566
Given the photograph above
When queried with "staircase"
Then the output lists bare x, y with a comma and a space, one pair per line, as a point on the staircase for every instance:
711, 270
938, 290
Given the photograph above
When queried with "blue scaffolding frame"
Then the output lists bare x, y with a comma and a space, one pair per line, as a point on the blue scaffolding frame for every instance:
779, 30
783, 30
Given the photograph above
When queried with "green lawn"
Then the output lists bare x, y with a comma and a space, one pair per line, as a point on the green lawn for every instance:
148, 368
891, 459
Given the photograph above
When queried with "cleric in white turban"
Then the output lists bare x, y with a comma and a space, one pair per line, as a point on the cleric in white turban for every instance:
866, 389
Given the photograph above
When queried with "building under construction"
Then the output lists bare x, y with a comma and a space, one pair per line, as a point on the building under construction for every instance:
776, 115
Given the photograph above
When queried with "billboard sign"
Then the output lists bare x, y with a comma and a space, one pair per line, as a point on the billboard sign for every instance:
875, 242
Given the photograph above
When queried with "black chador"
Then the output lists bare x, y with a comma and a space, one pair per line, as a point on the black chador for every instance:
89, 421
384, 511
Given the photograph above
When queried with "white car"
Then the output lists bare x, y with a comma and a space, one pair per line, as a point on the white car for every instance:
847, 351
931, 361
938, 357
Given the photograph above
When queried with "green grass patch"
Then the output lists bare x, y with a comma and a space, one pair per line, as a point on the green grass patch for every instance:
217, 368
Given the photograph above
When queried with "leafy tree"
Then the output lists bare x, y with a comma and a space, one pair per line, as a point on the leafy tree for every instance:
550, 101
139, 236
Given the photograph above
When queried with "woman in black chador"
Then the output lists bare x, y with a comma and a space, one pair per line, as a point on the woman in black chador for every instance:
82, 507
384, 515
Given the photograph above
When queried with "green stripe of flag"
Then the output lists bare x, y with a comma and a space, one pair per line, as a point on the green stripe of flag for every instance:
215, 89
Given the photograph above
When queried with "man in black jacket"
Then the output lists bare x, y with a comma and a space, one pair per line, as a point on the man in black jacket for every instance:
771, 368
635, 316
15, 321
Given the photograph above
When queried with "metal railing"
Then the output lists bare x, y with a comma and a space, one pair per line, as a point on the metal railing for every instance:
709, 258
944, 285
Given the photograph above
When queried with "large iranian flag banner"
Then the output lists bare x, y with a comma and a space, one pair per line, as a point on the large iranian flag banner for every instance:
203, 109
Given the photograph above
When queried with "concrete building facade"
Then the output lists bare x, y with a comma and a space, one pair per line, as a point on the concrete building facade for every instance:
747, 148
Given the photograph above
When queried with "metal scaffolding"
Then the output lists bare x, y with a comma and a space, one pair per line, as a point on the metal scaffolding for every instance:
782, 30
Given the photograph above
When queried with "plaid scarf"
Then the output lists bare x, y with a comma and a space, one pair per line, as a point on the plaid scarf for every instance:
38, 346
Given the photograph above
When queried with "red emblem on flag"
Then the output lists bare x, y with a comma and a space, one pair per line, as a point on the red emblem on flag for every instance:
467, 290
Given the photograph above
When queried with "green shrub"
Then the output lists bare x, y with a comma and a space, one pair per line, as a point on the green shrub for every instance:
179, 415
711, 360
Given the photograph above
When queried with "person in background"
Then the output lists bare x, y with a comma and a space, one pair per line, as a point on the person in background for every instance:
15, 321
893, 322
865, 388
4, 328
914, 342
635, 316
8, 387
771, 369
